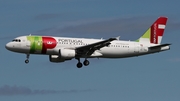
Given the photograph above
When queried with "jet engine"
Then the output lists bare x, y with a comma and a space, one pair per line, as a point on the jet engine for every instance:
64, 54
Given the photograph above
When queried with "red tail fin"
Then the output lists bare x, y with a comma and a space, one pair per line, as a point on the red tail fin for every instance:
157, 30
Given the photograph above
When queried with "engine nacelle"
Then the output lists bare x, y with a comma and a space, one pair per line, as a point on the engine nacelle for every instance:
55, 58
64, 54
67, 53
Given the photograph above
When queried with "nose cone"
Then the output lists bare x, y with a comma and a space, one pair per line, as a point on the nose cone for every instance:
9, 46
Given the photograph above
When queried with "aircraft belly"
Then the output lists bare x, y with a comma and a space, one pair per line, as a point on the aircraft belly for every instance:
51, 51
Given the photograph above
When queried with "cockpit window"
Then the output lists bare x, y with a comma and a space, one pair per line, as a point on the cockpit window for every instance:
16, 40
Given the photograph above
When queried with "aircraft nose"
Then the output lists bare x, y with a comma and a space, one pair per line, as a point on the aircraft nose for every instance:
8, 46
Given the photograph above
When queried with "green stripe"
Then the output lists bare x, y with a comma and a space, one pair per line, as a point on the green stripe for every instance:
35, 43
147, 34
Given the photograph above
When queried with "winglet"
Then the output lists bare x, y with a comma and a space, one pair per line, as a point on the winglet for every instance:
117, 38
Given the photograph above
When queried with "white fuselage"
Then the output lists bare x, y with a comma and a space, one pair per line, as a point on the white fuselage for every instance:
117, 48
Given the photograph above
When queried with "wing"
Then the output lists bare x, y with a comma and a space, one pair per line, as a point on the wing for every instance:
89, 49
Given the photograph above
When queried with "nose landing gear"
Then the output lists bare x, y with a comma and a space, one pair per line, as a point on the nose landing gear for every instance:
27, 60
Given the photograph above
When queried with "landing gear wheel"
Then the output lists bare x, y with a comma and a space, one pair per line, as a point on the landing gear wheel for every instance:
86, 62
27, 58
26, 61
79, 65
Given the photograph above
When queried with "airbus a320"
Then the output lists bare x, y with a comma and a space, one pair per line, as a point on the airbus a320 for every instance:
60, 49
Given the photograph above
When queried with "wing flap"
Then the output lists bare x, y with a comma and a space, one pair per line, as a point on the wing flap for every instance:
89, 49
97, 44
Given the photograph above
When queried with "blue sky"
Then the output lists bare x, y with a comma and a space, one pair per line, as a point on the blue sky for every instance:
153, 77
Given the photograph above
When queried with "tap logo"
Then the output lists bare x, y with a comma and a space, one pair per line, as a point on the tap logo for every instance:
48, 43
39, 44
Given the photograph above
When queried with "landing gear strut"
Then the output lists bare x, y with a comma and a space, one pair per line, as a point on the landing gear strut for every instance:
27, 58
79, 64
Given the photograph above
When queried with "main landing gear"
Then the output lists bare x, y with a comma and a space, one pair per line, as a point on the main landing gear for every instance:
79, 64
27, 59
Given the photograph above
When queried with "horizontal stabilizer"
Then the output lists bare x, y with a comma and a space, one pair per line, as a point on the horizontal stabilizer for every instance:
159, 46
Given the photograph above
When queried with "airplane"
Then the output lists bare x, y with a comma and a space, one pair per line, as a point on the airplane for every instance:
61, 49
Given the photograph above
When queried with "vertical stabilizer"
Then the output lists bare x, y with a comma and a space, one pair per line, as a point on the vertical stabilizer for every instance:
155, 33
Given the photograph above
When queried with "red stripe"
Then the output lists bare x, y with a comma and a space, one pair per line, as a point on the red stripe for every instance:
152, 33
